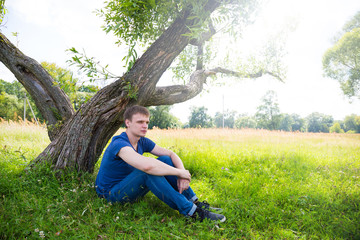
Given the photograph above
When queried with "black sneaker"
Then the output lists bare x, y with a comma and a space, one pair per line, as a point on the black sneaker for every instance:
205, 205
205, 214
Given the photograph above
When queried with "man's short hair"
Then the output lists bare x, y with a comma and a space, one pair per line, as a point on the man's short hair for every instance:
131, 111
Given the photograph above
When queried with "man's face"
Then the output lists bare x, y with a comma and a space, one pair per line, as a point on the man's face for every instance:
138, 125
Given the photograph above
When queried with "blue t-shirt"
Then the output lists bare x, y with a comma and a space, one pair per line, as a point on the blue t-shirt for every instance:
113, 169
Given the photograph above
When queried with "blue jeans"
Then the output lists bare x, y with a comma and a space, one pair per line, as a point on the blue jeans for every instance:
138, 183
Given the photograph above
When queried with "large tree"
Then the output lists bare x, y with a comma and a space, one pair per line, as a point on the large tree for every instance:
342, 60
164, 29
199, 118
268, 113
318, 122
161, 117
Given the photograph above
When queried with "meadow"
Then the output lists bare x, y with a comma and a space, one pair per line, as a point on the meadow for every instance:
271, 185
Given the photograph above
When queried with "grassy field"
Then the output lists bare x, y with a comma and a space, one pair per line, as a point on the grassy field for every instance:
272, 185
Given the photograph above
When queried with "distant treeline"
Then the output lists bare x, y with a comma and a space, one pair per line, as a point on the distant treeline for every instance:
13, 99
268, 116
315, 122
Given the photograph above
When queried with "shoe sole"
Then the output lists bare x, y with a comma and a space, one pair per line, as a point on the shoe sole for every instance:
223, 220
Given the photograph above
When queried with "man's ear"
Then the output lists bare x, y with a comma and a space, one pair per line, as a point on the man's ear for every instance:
127, 121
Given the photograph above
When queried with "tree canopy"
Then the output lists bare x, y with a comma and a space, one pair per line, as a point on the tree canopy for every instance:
342, 60
137, 24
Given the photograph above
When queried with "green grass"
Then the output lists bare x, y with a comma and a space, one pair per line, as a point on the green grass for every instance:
272, 185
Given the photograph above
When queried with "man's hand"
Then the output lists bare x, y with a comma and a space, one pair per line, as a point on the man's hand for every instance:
183, 184
183, 181
185, 174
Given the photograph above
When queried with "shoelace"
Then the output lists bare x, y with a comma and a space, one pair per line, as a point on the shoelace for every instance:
204, 204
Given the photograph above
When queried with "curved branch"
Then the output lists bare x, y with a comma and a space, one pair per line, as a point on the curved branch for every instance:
180, 93
51, 101
258, 74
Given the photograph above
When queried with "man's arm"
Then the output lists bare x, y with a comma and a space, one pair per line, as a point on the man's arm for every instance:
151, 165
182, 183
159, 151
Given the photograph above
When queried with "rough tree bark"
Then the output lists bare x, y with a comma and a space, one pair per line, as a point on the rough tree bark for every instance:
79, 140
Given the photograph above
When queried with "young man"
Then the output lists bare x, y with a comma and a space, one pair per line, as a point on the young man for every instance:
126, 176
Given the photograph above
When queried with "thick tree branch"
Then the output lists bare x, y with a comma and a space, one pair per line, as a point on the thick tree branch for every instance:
178, 93
52, 102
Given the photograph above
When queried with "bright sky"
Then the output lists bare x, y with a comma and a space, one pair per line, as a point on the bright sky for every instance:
48, 27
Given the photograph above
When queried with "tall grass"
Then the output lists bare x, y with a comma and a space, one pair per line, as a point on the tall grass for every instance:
271, 184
